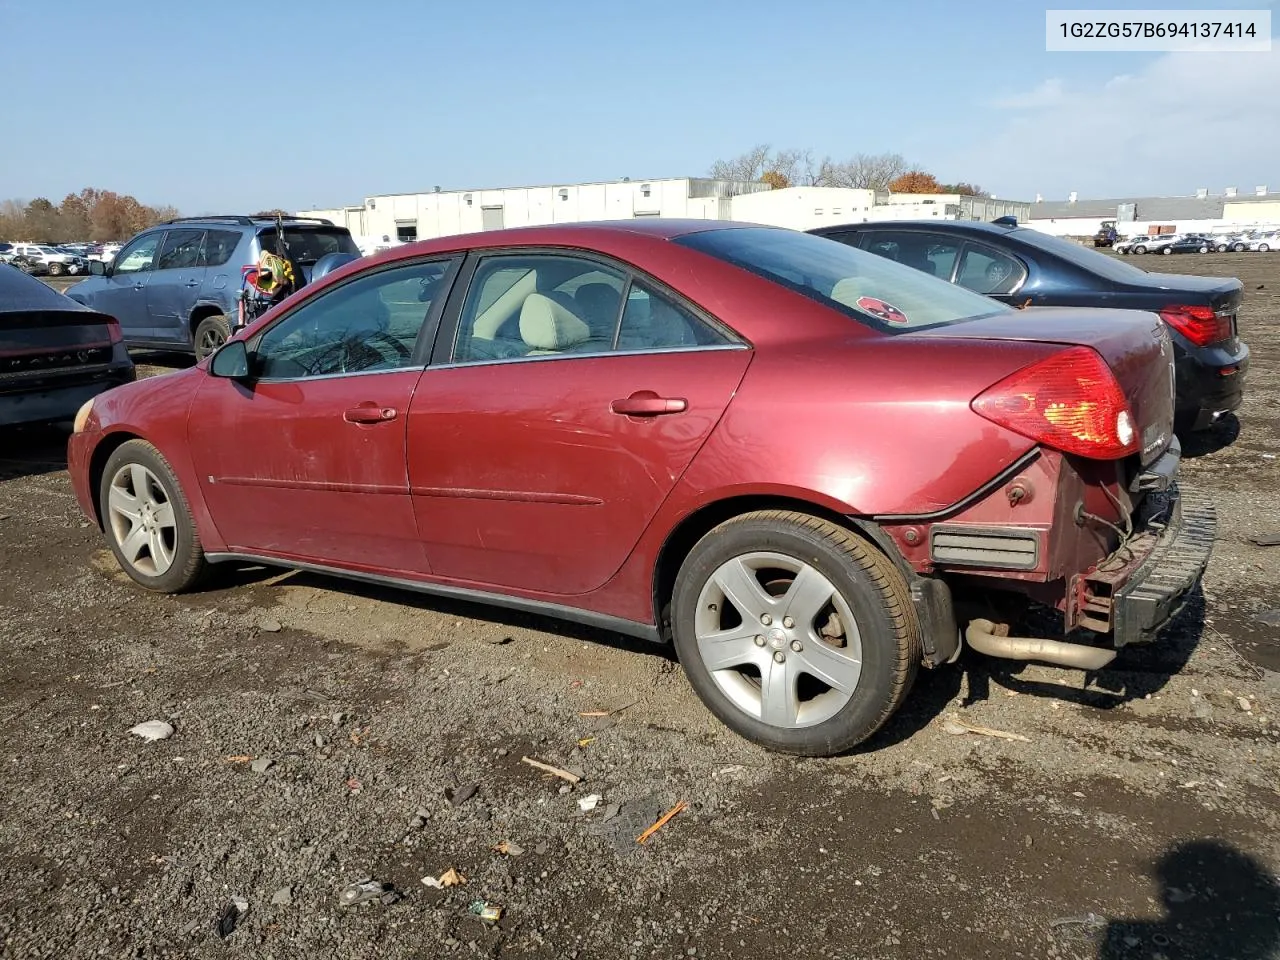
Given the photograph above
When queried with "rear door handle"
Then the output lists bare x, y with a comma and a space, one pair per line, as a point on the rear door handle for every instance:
138, 286
370, 413
646, 403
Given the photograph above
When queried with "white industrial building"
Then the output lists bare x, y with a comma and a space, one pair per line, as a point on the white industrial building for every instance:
1134, 216
404, 217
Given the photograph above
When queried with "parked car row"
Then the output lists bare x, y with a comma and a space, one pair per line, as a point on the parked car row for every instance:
1170, 243
44, 258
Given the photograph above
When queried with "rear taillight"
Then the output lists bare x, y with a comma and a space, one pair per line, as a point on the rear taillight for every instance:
1201, 325
114, 333
1070, 401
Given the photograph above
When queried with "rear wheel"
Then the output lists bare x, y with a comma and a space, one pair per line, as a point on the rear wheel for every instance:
1263, 247
1139, 249
1204, 249
797, 634
56, 269
147, 521
211, 333
1167, 250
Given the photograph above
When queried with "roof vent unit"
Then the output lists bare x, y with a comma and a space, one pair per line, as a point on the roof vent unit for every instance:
1071, 197
1260, 191
1229, 192
1202, 193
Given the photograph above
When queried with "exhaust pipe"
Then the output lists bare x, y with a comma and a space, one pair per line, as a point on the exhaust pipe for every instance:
993, 639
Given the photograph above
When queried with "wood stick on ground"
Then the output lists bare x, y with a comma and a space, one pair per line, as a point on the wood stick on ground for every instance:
548, 768
662, 821
961, 726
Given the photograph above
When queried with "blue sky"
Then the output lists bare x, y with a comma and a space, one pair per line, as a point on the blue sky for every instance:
179, 103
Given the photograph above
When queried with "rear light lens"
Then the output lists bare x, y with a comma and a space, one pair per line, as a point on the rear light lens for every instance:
1070, 401
1199, 324
114, 334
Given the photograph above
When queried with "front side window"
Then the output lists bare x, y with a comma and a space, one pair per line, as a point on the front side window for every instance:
984, 270
881, 294
138, 256
181, 248
368, 324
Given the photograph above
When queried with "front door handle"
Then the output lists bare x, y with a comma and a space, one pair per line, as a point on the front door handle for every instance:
138, 286
193, 283
370, 413
646, 403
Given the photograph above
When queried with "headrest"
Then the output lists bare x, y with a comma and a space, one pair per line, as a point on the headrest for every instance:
546, 324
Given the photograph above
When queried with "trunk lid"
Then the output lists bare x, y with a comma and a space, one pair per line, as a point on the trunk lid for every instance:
1222, 294
1134, 344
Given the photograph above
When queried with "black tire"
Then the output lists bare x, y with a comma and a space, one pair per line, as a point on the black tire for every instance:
56, 269
1167, 251
188, 563
1204, 249
1239, 248
1264, 248
866, 581
211, 333
1139, 249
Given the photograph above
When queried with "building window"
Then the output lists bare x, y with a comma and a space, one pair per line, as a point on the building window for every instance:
817, 212
835, 211
406, 232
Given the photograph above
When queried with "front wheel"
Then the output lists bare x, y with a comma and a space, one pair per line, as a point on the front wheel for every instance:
793, 631
211, 333
1263, 247
147, 521
1204, 249
56, 269
1139, 249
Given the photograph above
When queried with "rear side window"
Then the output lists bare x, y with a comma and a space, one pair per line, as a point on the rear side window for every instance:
1097, 263
878, 292
929, 253
988, 271
218, 247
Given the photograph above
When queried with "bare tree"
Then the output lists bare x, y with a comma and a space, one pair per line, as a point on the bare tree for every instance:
799, 168
864, 171
749, 166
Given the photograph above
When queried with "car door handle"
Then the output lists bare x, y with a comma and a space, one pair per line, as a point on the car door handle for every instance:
138, 286
370, 413
192, 283
646, 403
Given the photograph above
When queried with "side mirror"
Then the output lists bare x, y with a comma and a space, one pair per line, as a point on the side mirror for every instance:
97, 268
231, 361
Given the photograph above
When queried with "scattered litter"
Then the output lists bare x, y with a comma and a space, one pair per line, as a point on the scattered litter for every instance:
547, 768
585, 741
486, 911
499, 641
611, 811
230, 915
1268, 456
588, 803
934, 811
662, 822
270, 626
238, 758
282, 897
354, 785
262, 765
594, 713
450, 878
1088, 920
318, 740
957, 727
508, 848
460, 795
728, 771
366, 890
152, 730
1244, 704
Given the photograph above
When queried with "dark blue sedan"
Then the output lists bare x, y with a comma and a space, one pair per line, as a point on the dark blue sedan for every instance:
1025, 267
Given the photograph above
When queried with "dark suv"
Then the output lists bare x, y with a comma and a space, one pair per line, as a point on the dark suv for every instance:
175, 286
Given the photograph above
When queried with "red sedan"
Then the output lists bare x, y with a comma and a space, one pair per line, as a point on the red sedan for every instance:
804, 464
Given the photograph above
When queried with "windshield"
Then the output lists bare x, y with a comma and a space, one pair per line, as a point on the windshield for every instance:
877, 292
43, 249
306, 245
1086, 257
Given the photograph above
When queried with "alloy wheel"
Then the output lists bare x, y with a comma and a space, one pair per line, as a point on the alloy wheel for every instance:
141, 518
778, 639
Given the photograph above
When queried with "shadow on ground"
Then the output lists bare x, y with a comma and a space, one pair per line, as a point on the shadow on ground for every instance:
1218, 437
32, 451
1219, 904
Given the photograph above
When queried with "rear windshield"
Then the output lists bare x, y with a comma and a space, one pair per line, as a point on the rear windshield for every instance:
877, 292
306, 245
1087, 258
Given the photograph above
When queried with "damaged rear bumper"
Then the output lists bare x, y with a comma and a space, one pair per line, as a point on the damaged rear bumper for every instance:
1145, 583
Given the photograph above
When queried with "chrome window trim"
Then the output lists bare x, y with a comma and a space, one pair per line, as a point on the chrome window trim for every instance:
595, 355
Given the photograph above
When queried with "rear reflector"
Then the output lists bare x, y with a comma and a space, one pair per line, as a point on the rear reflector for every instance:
1228, 371
1007, 548
1200, 324
114, 333
1070, 402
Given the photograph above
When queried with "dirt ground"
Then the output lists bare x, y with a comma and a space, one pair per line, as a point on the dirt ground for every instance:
1139, 818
